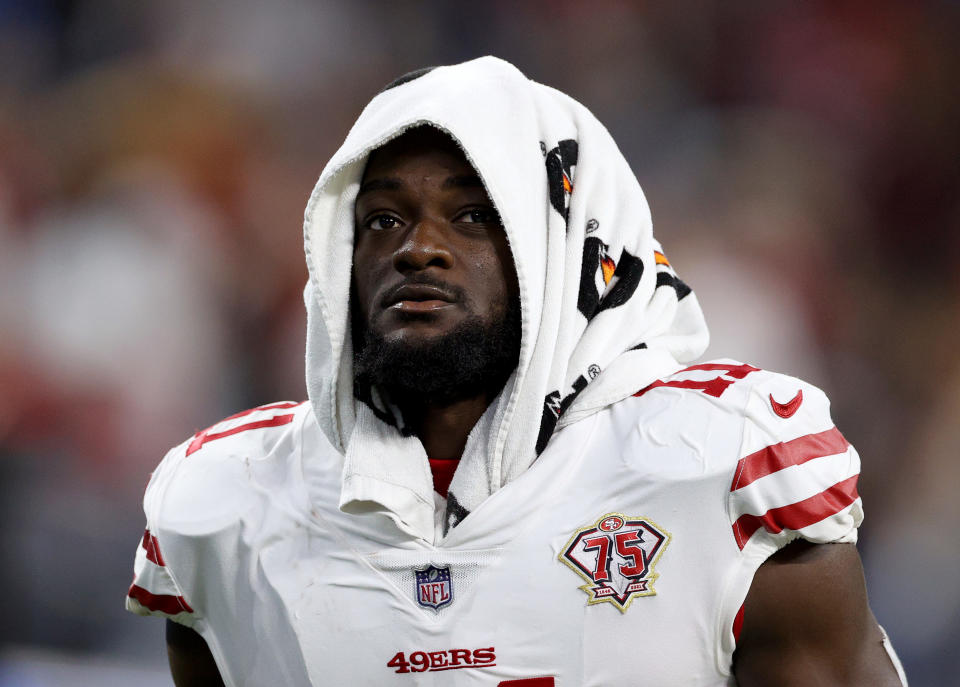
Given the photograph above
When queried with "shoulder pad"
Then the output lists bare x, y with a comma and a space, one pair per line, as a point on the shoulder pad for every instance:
796, 474
197, 485
203, 487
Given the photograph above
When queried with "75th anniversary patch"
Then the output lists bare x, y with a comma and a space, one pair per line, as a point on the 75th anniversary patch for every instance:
616, 556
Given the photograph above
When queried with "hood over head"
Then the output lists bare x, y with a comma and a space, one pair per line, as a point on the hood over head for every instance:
603, 312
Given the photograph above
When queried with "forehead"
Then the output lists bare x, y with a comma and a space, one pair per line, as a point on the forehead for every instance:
422, 144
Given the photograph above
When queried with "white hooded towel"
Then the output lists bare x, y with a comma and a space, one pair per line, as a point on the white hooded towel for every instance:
603, 312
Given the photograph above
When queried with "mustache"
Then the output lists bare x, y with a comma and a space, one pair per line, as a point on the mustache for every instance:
457, 294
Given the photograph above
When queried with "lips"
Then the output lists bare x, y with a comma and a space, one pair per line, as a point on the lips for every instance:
417, 298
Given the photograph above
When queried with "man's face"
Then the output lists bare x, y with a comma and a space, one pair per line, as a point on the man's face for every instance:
431, 260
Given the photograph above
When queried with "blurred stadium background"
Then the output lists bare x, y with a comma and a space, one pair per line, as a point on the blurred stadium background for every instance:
802, 161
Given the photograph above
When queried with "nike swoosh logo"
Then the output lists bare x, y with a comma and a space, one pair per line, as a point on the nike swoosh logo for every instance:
790, 407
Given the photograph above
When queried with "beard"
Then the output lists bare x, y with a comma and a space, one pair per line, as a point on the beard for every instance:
476, 358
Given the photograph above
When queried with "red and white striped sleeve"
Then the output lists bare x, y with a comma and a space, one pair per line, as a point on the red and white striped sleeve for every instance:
198, 464
154, 590
796, 475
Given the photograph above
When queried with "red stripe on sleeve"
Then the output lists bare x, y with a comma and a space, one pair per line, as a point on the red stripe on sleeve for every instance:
779, 456
163, 603
798, 515
152, 547
738, 624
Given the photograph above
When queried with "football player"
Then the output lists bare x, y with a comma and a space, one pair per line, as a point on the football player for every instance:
508, 473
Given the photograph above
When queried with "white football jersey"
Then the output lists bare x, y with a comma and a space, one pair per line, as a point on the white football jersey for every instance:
621, 557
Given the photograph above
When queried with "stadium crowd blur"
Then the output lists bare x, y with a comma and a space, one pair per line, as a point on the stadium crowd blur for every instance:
802, 162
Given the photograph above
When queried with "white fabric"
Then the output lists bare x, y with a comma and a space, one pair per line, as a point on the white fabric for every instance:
156, 580
513, 131
894, 659
287, 589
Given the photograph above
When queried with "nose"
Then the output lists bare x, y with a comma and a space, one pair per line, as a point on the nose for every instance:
424, 245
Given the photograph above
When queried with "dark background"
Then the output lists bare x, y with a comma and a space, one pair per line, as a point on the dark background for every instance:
802, 162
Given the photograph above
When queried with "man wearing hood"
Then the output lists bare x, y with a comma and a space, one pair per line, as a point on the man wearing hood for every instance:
507, 473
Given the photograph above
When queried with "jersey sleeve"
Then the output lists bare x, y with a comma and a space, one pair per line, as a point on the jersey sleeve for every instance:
796, 475
193, 504
154, 590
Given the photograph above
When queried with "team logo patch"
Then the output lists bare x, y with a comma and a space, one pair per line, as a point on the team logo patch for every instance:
434, 589
604, 282
561, 164
616, 556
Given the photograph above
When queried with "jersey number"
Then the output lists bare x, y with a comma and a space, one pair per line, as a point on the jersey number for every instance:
627, 546
200, 438
711, 387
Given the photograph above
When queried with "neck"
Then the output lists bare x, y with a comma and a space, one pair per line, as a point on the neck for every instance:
443, 430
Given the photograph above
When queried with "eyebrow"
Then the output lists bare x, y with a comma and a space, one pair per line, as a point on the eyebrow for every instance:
463, 181
379, 185
394, 184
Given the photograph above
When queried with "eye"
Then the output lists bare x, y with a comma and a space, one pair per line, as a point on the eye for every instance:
380, 222
483, 215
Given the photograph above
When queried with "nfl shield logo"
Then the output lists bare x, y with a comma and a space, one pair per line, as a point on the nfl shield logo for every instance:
434, 588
